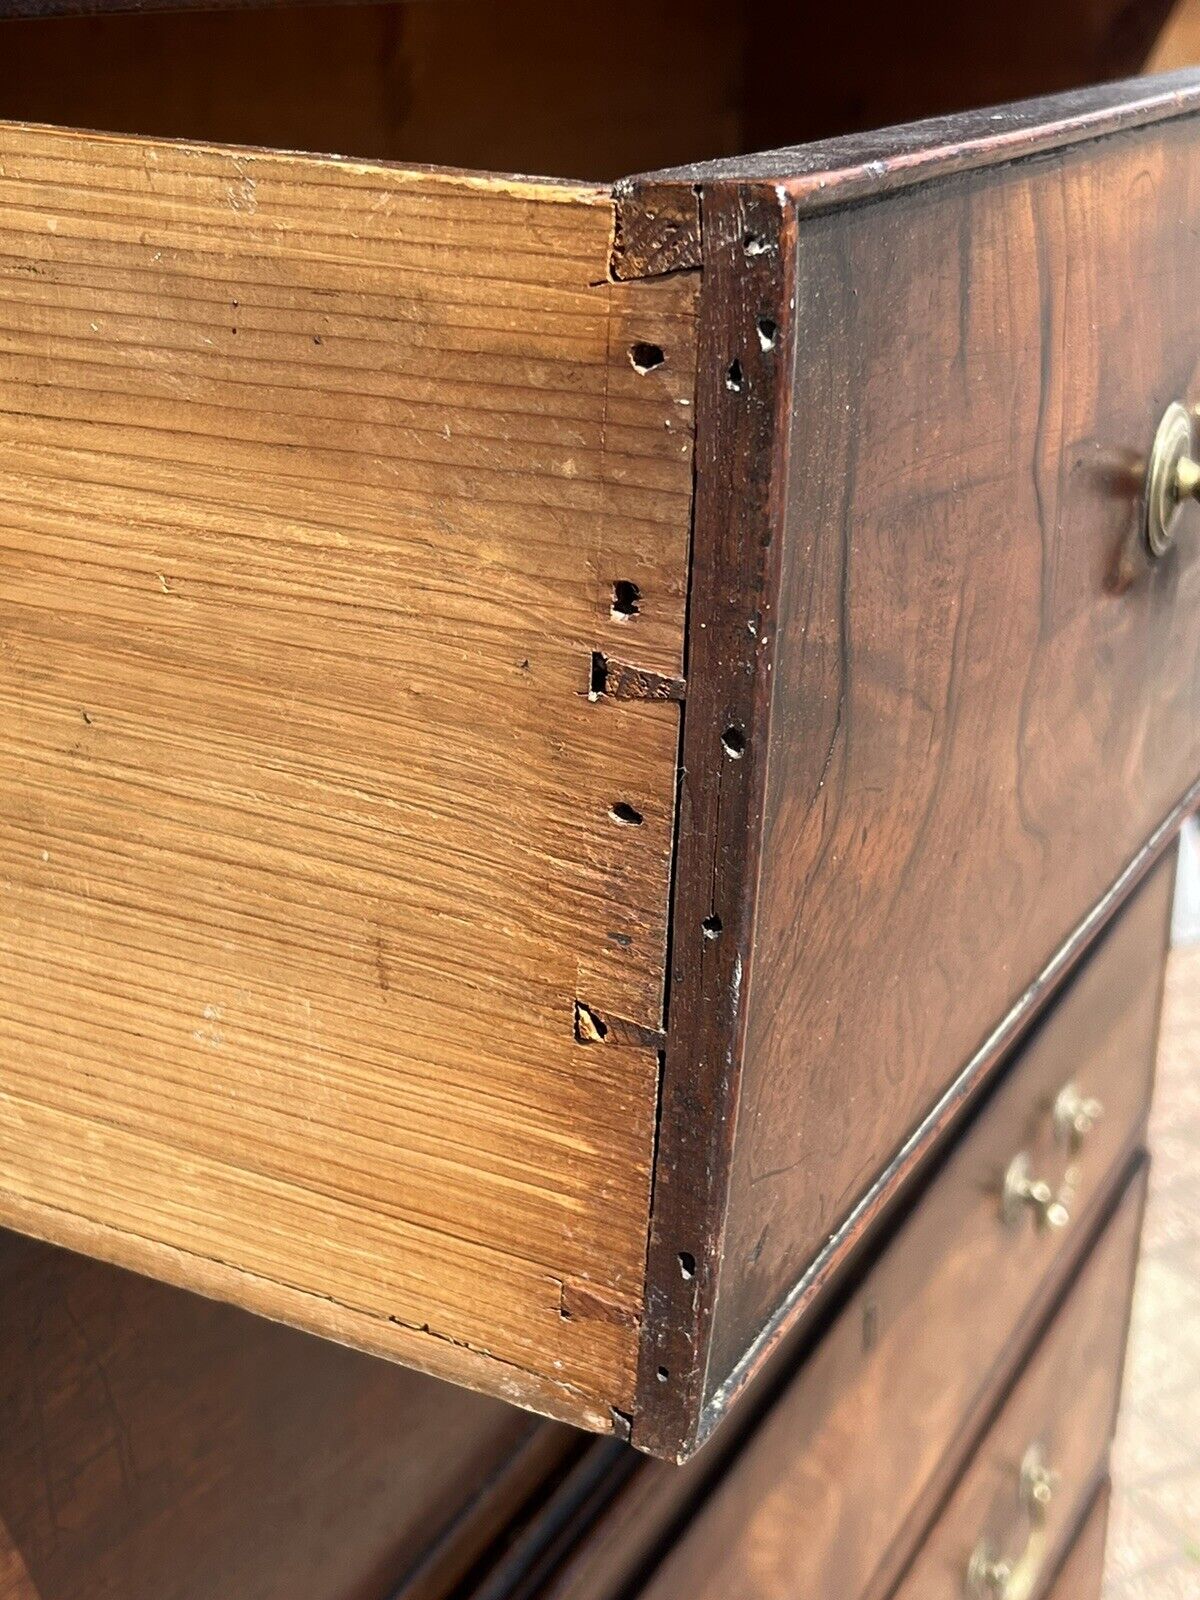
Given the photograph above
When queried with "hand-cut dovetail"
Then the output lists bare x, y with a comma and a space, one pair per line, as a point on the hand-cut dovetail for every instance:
592, 1028
589, 1028
618, 680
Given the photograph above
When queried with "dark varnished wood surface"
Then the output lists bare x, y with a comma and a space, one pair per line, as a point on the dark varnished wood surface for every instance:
831, 171
1065, 1396
33, 9
663, 214
985, 699
964, 702
1065, 1402
157, 1446
747, 277
932, 58
881, 1413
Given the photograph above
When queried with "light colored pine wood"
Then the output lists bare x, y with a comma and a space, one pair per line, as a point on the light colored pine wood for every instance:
315, 481
1178, 45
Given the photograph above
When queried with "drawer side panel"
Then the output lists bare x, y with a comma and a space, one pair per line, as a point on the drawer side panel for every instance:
321, 484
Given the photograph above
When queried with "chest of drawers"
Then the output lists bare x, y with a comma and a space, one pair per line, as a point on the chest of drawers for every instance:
589, 777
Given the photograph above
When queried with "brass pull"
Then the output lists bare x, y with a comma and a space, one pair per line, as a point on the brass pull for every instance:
991, 1576
1023, 1193
1075, 1115
1173, 476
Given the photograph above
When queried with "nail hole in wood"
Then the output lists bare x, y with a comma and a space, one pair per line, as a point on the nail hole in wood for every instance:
645, 357
754, 244
687, 1264
629, 816
711, 926
625, 600
735, 378
767, 330
734, 743
663, 1374
589, 1028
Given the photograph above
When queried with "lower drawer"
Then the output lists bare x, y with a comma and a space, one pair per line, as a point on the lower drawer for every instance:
1081, 1576
871, 1429
1003, 1531
157, 1446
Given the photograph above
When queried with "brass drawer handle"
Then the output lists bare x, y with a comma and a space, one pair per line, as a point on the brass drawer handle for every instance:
991, 1576
1172, 476
1073, 1116
1024, 1193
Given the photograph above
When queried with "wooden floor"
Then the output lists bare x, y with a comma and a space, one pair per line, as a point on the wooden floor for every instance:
1154, 1533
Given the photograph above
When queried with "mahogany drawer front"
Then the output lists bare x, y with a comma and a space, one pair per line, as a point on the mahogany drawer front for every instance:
1056, 1426
374, 535
159, 1446
879, 1414
1065, 1398
967, 705
1081, 1576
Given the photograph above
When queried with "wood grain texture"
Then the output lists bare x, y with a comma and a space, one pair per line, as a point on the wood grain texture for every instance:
1066, 1402
984, 698
445, 81
830, 171
55, 9
733, 578
867, 1419
1065, 1395
625, 88
162, 1447
882, 1412
316, 480
1178, 45
932, 63
1081, 1576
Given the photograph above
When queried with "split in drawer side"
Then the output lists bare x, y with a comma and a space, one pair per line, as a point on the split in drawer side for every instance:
345, 514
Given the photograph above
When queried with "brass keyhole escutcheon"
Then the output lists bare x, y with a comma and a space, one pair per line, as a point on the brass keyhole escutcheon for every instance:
1173, 476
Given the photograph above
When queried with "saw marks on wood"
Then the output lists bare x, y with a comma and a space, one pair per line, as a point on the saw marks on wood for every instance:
320, 487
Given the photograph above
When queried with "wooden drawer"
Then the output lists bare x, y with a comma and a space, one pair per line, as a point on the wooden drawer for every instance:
1082, 1573
1065, 1400
158, 1446
387, 550
1055, 1427
881, 1413
960, 657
